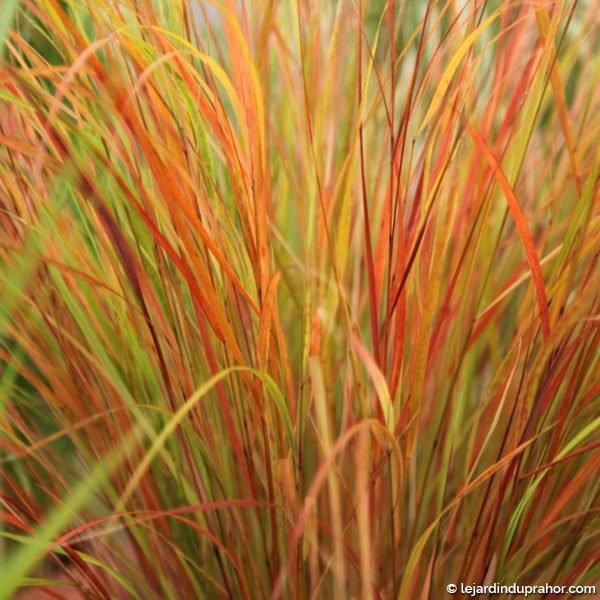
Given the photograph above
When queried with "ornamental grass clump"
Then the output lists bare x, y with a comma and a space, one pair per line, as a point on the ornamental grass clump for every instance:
298, 298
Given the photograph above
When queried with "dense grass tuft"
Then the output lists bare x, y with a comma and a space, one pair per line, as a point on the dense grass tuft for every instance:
299, 298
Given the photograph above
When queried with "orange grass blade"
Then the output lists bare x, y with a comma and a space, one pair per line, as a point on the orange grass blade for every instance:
522, 227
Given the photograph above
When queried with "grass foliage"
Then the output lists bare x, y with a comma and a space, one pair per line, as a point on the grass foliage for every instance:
299, 298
